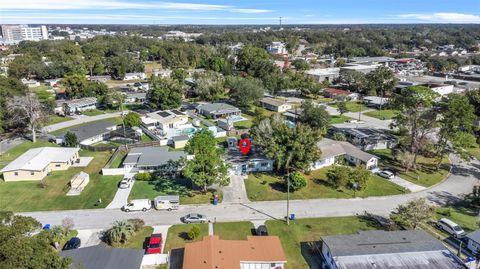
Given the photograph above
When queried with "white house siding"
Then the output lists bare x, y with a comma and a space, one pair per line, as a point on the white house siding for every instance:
323, 163
92, 140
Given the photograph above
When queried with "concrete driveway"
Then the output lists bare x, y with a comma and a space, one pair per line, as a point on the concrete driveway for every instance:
121, 196
90, 237
407, 184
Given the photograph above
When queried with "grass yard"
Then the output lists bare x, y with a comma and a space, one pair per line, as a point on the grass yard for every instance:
353, 106
93, 112
177, 235
145, 189
300, 231
117, 162
385, 114
465, 217
138, 240
145, 138
13, 153
53, 119
233, 230
245, 124
44, 93
425, 175
29, 196
116, 120
266, 187
336, 119
149, 67
475, 151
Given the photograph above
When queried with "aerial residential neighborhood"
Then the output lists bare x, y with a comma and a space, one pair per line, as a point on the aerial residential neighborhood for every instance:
240, 135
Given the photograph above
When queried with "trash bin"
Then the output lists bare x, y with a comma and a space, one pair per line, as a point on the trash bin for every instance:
215, 201
292, 216
46, 227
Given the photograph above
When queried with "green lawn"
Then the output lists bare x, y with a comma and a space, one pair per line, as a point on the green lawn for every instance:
246, 124
294, 236
465, 217
119, 159
385, 114
475, 151
353, 106
138, 240
267, 187
177, 235
233, 230
93, 112
145, 189
425, 175
116, 120
43, 93
29, 196
53, 119
13, 153
145, 138
336, 119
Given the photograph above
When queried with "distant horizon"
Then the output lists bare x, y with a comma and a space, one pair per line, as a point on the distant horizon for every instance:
269, 25
247, 12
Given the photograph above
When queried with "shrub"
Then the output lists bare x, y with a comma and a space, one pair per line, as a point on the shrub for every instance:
194, 233
137, 223
297, 181
143, 177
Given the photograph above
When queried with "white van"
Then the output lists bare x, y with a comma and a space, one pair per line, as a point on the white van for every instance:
137, 205
167, 202
451, 228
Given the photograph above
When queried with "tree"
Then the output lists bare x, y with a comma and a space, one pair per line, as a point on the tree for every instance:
193, 233
413, 213
28, 111
405, 159
143, 176
291, 148
301, 64
315, 116
70, 140
120, 232
132, 119
339, 176
245, 91
179, 74
297, 181
353, 80
417, 117
250, 59
210, 86
360, 176
339, 136
22, 247
207, 167
381, 82
165, 93
456, 125
67, 225
9, 87
342, 107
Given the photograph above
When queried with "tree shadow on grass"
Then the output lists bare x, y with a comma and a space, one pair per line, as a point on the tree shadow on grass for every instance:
311, 252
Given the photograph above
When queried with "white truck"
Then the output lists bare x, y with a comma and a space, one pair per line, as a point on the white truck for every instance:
137, 205
167, 202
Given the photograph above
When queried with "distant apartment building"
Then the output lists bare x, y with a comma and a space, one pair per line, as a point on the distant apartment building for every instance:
17, 33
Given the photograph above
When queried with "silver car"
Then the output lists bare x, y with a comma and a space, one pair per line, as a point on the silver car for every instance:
194, 218
386, 174
125, 183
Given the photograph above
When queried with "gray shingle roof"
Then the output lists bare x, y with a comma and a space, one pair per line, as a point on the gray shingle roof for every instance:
218, 108
93, 129
332, 148
101, 256
152, 156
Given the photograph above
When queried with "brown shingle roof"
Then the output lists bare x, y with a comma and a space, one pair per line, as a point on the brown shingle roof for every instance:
213, 253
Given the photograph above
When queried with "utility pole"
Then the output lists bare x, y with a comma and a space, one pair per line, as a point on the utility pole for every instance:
280, 21
288, 196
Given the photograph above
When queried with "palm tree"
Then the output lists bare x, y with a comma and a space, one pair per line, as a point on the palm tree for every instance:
120, 232
57, 235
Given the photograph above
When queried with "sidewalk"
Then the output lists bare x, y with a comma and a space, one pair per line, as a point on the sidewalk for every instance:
407, 184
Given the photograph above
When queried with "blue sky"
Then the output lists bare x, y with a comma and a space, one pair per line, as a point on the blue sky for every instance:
239, 12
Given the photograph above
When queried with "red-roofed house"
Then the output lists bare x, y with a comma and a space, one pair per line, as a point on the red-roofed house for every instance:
339, 93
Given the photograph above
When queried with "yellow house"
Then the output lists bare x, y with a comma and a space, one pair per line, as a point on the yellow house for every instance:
36, 163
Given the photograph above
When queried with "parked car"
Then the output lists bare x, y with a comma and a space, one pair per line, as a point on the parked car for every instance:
125, 183
73, 243
194, 218
154, 244
137, 205
262, 230
451, 228
386, 174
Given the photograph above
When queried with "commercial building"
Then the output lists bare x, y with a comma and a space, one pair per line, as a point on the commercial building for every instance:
413, 249
36, 163
16, 33
324, 74
277, 48
257, 252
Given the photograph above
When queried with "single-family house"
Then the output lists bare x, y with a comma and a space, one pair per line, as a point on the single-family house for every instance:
135, 98
133, 76
293, 114
473, 243
67, 107
30, 82
275, 104
255, 252
150, 159
102, 256
324, 74
36, 163
375, 101
93, 132
163, 73
366, 138
217, 110
339, 94
253, 161
414, 249
442, 89
101, 79
332, 150
52, 82
165, 119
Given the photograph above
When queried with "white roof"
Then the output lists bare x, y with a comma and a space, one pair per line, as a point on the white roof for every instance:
323, 71
37, 159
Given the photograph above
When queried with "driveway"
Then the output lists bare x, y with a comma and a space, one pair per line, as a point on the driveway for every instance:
235, 192
407, 184
79, 120
121, 196
89, 237
461, 181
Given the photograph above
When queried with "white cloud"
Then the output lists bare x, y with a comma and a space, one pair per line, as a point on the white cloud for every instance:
115, 4
443, 17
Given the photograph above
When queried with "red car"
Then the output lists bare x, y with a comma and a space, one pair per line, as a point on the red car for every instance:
155, 244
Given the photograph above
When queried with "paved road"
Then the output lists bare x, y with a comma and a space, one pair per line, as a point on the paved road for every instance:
7, 144
79, 120
368, 121
460, 182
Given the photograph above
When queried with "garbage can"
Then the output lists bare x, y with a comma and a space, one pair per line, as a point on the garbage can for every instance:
215, 201
292, 216
46, 227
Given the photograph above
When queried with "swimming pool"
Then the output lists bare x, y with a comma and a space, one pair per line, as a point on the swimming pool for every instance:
235, 118
189, 131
